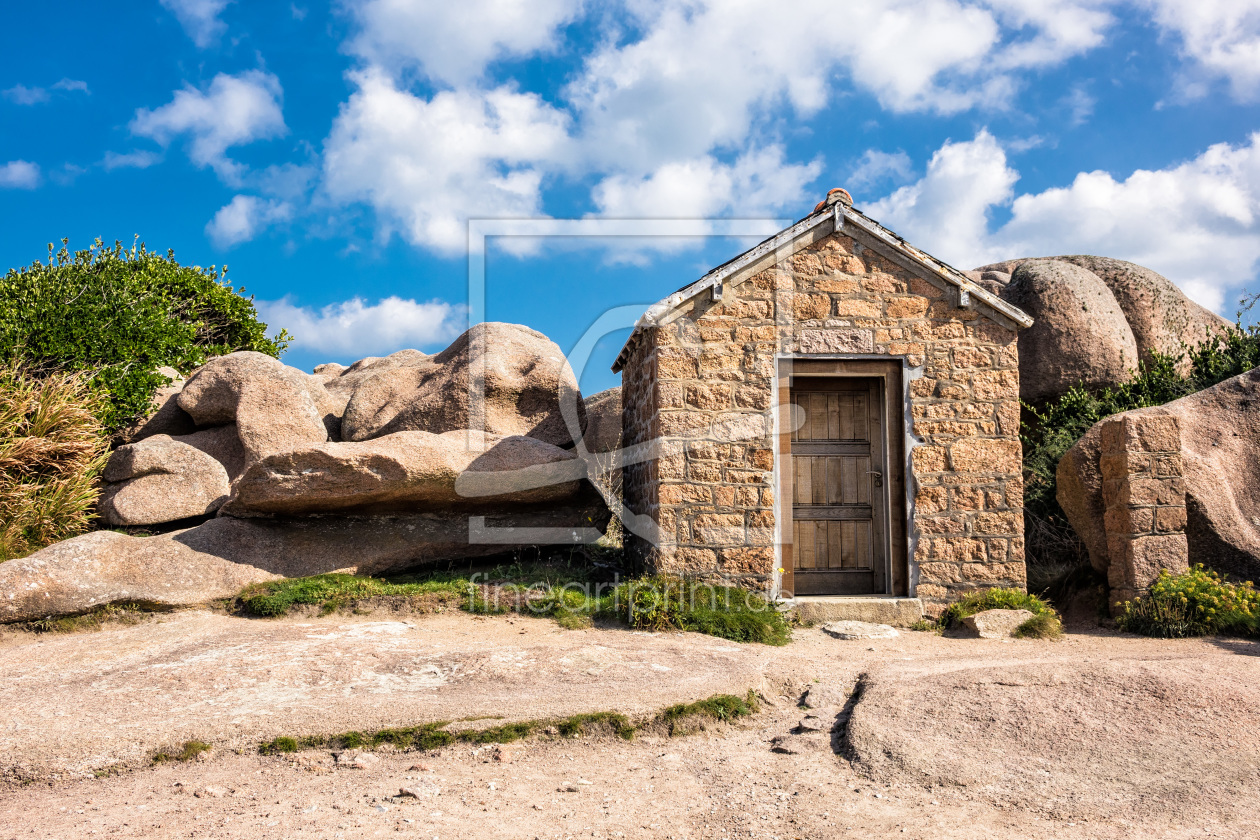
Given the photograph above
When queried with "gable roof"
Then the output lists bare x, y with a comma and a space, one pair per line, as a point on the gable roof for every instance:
843, 218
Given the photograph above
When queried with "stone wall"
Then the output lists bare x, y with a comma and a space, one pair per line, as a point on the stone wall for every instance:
1145, 498
640, 429
712, 375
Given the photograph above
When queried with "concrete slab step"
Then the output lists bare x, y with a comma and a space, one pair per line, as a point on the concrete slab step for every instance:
818, 609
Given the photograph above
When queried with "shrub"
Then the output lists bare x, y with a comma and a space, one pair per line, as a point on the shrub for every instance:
52, 448
1051, 429
993, 599
118, 315
1198, 602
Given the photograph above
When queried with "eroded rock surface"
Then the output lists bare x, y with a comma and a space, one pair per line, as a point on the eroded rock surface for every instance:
220, 557
1220, 453
1078, 337
161, 480
994, 624
1079, 333
269, 402
603, 421
525, 377
385, 464
408, 471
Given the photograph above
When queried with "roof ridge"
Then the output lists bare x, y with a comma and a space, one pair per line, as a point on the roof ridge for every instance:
834, 207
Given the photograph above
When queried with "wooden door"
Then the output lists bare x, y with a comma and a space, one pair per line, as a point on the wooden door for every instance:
839, 512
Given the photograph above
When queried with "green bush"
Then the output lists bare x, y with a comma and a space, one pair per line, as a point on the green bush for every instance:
52, 448
1051, 429
1198, 602
118, 314
993, 599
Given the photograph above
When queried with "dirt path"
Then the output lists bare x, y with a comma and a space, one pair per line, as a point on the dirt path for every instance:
1096, 736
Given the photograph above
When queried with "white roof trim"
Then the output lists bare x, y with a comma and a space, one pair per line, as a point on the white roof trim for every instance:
969, 293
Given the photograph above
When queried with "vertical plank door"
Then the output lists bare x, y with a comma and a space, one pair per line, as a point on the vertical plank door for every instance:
838, 512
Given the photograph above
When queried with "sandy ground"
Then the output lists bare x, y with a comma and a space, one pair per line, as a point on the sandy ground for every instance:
1097, 735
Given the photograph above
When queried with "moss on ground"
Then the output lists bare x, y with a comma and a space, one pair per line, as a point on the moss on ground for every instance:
573, 596
122, 614
431, 736
186, 752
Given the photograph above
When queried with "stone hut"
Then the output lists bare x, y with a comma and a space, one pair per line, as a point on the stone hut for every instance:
833, 413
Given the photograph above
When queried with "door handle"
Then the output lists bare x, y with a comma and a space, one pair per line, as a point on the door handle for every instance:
879, 477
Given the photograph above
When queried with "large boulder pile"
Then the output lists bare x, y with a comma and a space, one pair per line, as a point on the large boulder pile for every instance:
1220, 464
1095, 319
383, 465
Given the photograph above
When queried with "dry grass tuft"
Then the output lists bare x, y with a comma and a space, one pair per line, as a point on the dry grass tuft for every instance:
52, 449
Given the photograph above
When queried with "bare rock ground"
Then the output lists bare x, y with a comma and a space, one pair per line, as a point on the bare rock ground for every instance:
1095, 736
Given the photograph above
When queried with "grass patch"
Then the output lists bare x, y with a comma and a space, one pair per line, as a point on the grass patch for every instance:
618, 724
573, 596
1043, 626
432, 736
189, 751
668, 603
993, 599
52, 450
1198, 602
126, 613
720, 707
337, 591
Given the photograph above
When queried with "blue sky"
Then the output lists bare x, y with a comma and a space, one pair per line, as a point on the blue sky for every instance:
331, 155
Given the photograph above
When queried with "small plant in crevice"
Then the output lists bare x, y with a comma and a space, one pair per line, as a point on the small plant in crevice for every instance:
720, 708
188, 751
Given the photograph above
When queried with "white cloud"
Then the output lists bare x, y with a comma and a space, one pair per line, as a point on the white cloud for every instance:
136, 159
453, 42
949, 206
72, 85
19, 175
199, 18
1080, 105
1197, 222
426, 166
705, 75
67, 174
876, 167
235, 110
244, 217
354, 328
678, 111
22, 95
1221, 37
701, 188
1060, 29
